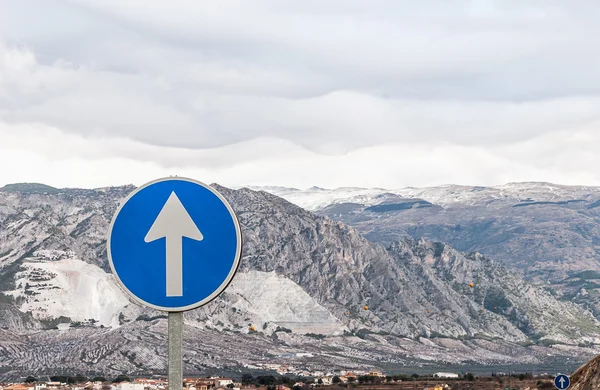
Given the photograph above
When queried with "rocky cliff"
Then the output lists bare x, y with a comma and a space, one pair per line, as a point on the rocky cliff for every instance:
306, 283
547, 233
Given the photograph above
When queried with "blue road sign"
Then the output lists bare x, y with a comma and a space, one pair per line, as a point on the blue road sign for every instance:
174, 244
562, 381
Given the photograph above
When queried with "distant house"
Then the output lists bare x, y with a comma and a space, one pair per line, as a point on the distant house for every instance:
152, 384
378, 374
327, 380
208, 383
349, 377
97, 385
129, 386
40, 386
222, 382
445, 375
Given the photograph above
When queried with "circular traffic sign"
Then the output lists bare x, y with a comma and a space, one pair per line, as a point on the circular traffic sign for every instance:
174, 244
562, 381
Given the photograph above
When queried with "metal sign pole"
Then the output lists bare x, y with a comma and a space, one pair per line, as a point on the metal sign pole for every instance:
175, 330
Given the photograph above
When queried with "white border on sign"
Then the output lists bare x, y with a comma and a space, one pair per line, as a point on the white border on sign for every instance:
228, 279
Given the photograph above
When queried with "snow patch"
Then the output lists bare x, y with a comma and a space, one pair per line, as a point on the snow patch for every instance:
318, 198
445, 195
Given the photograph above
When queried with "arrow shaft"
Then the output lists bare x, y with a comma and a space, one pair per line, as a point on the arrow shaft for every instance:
561, 382
174, 271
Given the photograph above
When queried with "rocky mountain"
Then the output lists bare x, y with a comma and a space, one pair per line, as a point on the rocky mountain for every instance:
549, 234
586, 377
306, 283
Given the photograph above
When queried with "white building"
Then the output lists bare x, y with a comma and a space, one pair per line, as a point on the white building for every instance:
327, 380
222, 382
129, 386
445, 375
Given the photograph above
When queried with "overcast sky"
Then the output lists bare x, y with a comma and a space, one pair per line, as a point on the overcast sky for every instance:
300, 93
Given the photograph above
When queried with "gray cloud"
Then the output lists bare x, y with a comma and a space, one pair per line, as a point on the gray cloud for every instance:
333, 77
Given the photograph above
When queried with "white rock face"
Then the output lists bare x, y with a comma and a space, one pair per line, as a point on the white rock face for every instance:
69, 287
271, 298
56, 284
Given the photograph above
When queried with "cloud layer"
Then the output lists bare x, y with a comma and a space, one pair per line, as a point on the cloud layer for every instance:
334, 93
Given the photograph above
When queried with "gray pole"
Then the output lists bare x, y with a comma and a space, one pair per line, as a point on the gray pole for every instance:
175, 331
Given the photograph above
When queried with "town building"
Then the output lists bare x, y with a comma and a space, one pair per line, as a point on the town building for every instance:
327, 380
349, 377
222, 382
129, 386
445, 375
198, 386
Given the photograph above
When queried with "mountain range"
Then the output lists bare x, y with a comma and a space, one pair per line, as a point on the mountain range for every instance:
357, 278
548, 233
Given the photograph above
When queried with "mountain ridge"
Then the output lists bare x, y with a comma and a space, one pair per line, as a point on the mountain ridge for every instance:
420, 305
547, 233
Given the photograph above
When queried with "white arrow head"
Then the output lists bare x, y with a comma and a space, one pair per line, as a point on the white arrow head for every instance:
173, 221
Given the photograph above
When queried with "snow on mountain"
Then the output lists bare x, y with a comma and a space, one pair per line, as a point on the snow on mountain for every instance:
304, 282
547, 233
69, 287
512, 192
316, 198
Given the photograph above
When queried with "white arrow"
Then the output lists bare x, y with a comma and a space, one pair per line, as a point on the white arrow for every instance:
562, 382
173, 223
